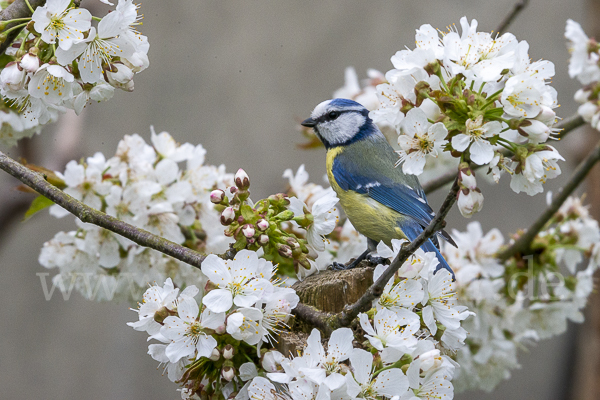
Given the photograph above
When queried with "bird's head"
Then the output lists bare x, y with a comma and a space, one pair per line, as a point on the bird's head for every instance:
340, 121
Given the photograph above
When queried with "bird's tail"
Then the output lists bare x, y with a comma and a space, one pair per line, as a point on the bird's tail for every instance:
412, 231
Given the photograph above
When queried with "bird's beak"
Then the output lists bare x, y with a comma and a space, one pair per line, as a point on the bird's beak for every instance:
309, 122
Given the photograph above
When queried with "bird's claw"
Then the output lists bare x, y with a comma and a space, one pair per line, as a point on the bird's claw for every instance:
336, 266
374, 260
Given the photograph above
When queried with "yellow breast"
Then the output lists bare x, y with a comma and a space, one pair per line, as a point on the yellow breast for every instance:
369, 217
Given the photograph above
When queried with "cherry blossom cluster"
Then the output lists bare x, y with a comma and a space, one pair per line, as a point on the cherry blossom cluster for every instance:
477, 97
60, 61
162, 187
583, 65
401, 353
210, 338
283, 227
214, 349
522, 300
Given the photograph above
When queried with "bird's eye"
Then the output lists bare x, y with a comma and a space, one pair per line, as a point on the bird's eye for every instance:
334, 114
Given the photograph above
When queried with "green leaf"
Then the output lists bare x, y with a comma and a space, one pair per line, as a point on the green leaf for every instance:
247, 213
38, 204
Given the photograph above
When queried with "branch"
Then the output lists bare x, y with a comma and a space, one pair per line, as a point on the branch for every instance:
566, 125
18, 9
87, 214
314, 317
517, 8
364, 303
523, 243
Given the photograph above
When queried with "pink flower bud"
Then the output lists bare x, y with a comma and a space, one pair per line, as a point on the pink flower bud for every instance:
228, 373
242, 181
263, 239
221, 329
227, 216
285, 251
292, 242
262, 224
217, 196
248, 230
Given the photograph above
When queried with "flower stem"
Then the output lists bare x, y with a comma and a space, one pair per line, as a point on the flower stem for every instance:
15, 27
492, 99
29, 6
10, 21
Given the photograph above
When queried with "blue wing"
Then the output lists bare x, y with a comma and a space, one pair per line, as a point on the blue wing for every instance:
369, 168
383, 184
412, 230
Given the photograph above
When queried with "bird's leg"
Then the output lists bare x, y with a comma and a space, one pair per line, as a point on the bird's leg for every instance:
374, 260
366, 255
336, 266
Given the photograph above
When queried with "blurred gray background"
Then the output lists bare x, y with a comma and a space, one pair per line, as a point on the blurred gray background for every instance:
236, 76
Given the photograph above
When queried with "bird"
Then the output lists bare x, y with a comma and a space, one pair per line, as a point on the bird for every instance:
381, 202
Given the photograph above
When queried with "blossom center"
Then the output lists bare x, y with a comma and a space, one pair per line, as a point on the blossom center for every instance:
57, 23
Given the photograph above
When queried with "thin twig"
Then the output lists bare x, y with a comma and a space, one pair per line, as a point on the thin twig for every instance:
566, 126
364, 303
514, 13
87, 214
522, 244
18, 9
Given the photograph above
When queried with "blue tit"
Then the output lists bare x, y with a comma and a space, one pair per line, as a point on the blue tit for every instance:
379, 199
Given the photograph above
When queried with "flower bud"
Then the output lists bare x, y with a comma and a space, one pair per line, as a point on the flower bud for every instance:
227, 216
535, 130
228, 373
586, 110
217, 196
285, 215
468, 181
284, 251
582, 95
263, 239
262, 224
30, 62
546, 116
469, 202
248, 230
279, 199
120, 74
215, 355
228, 352
121, 77
161, 314
292, 242
221, 329
13, 76
242, 181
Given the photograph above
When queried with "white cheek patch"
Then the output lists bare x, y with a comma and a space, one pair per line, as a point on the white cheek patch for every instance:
342, 129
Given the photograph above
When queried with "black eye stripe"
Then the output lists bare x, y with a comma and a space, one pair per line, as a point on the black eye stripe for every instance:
327, 117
